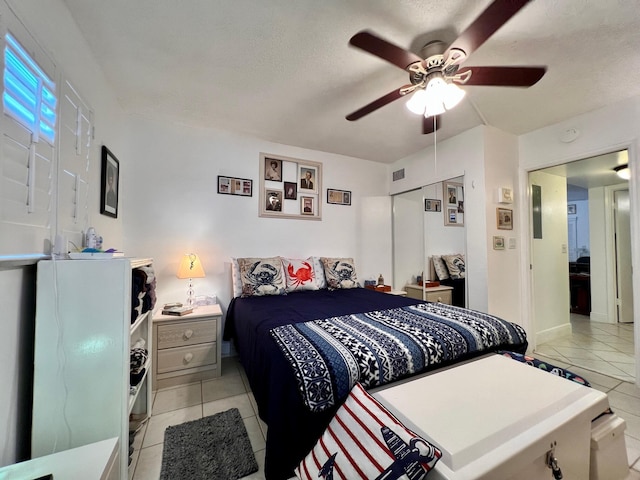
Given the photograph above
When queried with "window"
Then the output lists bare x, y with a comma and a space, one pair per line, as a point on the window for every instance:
29, 94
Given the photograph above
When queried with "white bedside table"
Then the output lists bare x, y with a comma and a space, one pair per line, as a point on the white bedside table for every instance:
441, 294
187, 348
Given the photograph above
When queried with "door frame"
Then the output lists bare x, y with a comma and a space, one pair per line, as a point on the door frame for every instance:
525, 219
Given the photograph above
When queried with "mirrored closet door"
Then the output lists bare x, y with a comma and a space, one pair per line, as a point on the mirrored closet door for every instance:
429, 242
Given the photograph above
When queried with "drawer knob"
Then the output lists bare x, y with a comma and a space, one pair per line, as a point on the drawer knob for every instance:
188, 357
439, 299
187, 334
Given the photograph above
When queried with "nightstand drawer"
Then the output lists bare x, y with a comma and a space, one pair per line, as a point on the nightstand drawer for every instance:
187, 333
441, 296
180, 358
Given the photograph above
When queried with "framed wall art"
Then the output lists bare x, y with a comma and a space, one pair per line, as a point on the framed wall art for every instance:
498, 243
289, 188
453, 199
571, 209
505, 195
110, 183
504, 218
432, 205
338, 197
235, 186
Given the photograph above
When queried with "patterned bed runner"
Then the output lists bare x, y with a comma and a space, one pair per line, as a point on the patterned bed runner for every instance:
329, 356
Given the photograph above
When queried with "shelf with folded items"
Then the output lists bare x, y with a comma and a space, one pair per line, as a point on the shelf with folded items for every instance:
134, 390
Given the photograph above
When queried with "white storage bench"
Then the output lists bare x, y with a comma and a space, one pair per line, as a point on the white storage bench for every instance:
496, 418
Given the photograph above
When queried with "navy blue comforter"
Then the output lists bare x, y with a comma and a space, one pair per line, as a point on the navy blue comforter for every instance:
293, 428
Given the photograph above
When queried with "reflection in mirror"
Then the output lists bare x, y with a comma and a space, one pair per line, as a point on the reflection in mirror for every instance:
425, 240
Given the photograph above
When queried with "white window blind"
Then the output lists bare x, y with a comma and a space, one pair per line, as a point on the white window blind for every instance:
29, 94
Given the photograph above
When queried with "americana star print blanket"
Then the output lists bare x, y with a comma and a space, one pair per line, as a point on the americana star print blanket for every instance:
330, 356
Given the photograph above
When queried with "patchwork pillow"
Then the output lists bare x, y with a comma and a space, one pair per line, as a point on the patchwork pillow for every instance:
300, 274
439, 266
364, 440
261, 276
318, 268
340, 273
235, 278
547, 367
455, 265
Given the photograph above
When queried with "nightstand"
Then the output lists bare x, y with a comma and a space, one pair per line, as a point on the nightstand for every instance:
187, 348
441, 294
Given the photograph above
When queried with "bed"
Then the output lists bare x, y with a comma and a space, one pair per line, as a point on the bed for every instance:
270, 333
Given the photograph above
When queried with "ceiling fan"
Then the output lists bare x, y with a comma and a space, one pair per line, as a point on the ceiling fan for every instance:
435, 74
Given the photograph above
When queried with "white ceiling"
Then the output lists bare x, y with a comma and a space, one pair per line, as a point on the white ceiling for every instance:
282, 70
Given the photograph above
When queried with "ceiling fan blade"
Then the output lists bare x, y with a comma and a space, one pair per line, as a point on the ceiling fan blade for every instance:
380, 102
428, 124
504, 76
375, 45
489, 21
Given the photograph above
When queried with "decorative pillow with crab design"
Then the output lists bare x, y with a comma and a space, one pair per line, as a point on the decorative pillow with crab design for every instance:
300, 274
261, 276
340, 273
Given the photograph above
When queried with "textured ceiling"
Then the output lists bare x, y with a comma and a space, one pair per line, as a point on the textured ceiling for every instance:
282, 70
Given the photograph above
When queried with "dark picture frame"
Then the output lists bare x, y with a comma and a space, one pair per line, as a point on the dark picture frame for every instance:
504, 219
235, 186
432, 205
453, 199
290, 191
110, 183
571, 209
273, 200
338, 197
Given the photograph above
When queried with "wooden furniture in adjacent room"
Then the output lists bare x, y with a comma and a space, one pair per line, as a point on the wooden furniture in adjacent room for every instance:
187, 348
83, 336
441, 294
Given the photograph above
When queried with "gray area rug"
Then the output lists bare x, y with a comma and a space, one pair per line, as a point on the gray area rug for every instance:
212, 448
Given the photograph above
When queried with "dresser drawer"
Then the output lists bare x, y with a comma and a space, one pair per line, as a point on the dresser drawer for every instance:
441, 296
187, 333
180, 358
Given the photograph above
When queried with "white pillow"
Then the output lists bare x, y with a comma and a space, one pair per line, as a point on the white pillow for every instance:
439, 266
235, 278
340, 273
300, 274
318, 267
455, 265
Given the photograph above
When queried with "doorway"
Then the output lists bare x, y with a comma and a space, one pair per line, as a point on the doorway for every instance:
582, 288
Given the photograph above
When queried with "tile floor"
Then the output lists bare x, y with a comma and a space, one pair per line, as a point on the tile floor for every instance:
602, 347
175, 405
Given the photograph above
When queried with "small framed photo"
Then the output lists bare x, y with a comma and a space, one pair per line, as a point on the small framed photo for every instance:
306, 205
338, 197
504, 218
453, 198
110, 183
498, 243
308, 179
273, 200
235, 186
505, 195
290, 191
273, 169
432, 205
571, 209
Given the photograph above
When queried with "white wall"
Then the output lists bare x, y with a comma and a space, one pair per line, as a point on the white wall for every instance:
172, 206
550, 259
598, 267
408, 243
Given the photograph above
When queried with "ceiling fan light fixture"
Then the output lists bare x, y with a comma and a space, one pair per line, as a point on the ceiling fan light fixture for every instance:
417, 102
623, 171
453, 95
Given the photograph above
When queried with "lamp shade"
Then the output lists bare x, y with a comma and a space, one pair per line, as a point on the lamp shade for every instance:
190, 267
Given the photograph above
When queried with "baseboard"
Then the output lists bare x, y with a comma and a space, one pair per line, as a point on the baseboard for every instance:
553, 333
599, 317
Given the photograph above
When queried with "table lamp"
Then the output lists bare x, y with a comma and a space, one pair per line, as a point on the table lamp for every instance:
190, 267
